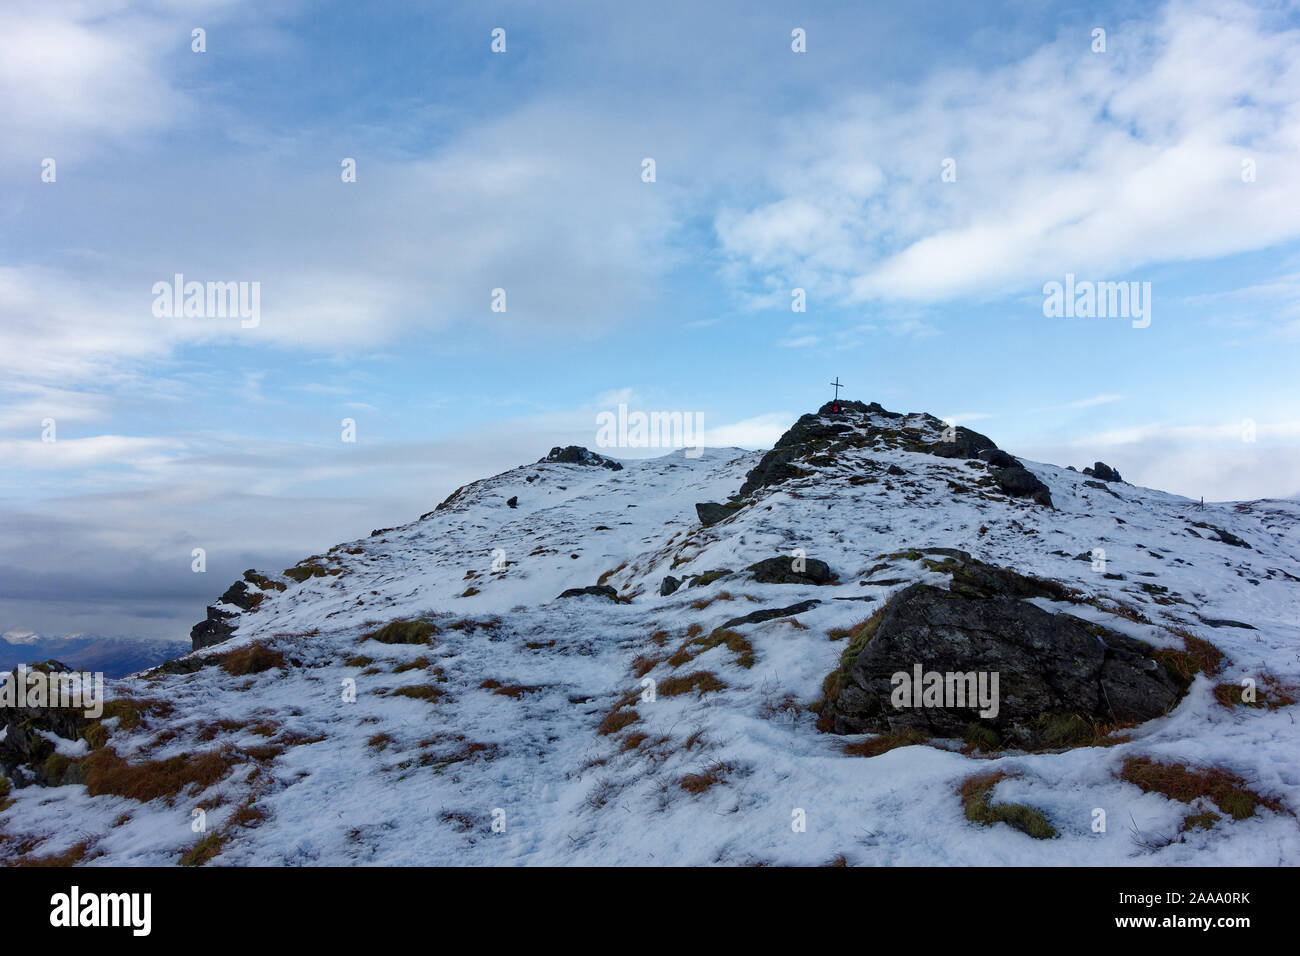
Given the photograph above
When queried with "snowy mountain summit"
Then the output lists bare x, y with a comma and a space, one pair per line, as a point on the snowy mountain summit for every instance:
885, 641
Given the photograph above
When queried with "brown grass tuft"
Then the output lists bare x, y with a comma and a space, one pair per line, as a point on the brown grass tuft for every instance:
253, 659
1178, 782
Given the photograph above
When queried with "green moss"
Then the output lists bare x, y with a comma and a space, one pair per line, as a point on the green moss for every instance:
858, 639
1064, 730
302, 572
982, 737
55, 767
975, 794
96, 735
262, 582
708, 577
204, 850
415, 631
1204, 821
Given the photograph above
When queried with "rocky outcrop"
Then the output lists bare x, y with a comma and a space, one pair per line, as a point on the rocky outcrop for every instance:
577, 455
784, 570
1056, 674
596, 590
965, 444
246, 595
817, 439
999, 458
214, 629
710, 512
1227, 537
1020, 482
1102, 471
668, 585
25, 751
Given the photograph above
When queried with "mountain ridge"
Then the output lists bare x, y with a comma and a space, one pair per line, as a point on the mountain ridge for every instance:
483, 696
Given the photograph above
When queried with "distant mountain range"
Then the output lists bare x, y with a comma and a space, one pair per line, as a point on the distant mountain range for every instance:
113, 656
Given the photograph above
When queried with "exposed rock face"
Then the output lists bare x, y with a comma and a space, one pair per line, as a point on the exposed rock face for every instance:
668, 585
998, 458
596, 590
817, 439
710, 512
1102, 471
781, 570
24, 750
577, 455
1020, 482
1227, 537
221, 623
217, 627
1052, 668
965, 444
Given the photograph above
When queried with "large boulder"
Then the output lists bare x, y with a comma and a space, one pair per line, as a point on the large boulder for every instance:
784, 570
710, 512
998, 458
1055, 673
1020, 482
965, 444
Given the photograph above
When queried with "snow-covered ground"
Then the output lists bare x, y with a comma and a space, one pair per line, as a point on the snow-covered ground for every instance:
391, 779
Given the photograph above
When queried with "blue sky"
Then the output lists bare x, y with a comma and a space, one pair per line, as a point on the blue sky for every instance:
521, 170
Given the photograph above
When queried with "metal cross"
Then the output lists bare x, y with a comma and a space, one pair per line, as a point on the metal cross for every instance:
838, 386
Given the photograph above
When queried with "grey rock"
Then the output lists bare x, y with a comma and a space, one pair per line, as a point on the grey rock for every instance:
1102, 471
771, 614
213, 629
1048, 665
781, 570
999, 458
708, 577
1020, 482
1226, 537
668, 585
710, 512
577, 455
965, 444
595, 590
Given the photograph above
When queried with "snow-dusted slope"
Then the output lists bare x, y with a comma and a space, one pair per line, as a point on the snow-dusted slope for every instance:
510, 715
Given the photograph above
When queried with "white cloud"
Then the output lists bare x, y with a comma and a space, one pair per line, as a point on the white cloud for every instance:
1097, 164
761, 431
71, 453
